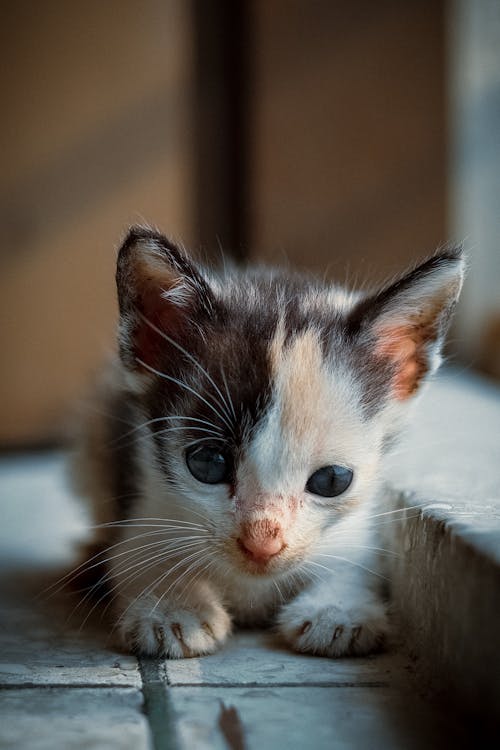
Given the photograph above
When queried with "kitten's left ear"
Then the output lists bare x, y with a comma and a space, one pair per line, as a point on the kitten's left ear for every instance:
404, 325
162, 295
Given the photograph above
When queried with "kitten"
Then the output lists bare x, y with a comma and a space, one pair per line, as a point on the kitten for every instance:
237, 470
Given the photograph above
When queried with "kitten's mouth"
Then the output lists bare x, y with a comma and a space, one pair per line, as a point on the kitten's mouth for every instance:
259, 561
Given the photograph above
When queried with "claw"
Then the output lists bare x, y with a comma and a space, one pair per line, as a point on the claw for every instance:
206, 627
305, 627
337, 632
177, 631
160, 637
356, 632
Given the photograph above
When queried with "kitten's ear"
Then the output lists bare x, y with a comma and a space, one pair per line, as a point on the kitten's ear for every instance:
161, 296
404, 325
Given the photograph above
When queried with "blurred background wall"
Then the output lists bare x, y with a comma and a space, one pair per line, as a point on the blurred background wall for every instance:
96, 134
331, 135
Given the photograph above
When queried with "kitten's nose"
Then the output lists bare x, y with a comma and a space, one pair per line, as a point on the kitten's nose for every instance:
261, 540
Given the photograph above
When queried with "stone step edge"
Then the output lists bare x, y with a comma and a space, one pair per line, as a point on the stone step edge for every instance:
446, 590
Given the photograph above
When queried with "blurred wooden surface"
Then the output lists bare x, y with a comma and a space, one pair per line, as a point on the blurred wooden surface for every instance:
96, 135
348, 151
115, 117
474, 44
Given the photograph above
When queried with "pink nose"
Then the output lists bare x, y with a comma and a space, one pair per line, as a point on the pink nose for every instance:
261, 540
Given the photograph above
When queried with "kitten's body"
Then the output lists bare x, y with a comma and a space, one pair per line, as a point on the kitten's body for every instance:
277, 386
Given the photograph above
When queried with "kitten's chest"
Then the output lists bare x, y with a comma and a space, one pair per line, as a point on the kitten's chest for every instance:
256, 603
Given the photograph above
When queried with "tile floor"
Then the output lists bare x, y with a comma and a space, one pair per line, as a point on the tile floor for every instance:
62, 686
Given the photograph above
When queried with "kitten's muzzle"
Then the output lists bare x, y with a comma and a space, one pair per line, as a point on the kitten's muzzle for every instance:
261, 540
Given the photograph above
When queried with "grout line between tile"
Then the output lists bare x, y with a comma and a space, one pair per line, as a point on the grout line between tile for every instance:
158, 706
65, 685
305, 683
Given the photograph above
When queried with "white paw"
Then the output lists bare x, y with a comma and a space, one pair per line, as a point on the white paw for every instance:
335, 631
173, 631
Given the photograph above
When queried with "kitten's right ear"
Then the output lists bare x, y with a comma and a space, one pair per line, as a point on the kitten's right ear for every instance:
161, 295
404, 324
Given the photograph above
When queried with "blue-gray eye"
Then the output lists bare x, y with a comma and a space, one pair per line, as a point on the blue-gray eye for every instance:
329, 481
208, 465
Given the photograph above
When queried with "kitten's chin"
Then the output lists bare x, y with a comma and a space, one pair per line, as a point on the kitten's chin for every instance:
274, 567
254, 567
259, 569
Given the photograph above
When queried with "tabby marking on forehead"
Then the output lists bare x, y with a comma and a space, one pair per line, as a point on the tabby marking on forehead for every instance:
302, 386
276, 349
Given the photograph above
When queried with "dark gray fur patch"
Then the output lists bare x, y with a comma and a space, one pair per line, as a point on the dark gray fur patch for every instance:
234, 352
229, 334
123, 460
234, 349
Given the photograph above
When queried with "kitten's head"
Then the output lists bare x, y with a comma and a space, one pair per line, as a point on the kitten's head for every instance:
270, 396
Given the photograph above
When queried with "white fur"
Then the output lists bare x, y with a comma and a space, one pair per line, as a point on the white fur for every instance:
276, 465
178, 596
179, 293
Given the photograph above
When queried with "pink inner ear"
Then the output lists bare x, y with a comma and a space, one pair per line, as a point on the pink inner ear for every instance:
149, 343
163, 314
404, 347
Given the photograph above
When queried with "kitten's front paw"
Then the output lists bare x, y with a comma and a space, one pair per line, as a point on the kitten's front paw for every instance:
334, 631
173, 631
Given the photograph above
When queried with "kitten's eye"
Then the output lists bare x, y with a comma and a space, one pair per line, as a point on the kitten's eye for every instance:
208, 465
329, 481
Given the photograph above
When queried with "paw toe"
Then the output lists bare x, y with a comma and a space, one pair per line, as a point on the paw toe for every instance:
334, 632
174, 633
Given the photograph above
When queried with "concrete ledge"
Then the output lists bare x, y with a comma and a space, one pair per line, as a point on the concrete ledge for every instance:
448, 594
446, 581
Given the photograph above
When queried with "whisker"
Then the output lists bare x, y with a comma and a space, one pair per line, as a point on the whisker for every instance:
202, 570
339, 533
187, 388
194, 578
129, 581
205, 518
390, 512
146, 438
276, 586
351, 562
363, 546
194, 361
294, 580
132, 522
223, 374
182, 428
179, 579
314, 573
400, 519
167, 520
84, 567
162, 419
200, 440
153, 585
165, 554
167, 543
176, 428
143, 564
318, 565
150, 563
119, 571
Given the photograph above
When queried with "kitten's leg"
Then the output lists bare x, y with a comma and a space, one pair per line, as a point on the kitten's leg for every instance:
174, 626
337, 617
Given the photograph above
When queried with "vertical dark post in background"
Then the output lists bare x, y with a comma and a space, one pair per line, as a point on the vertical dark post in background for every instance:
221, 125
